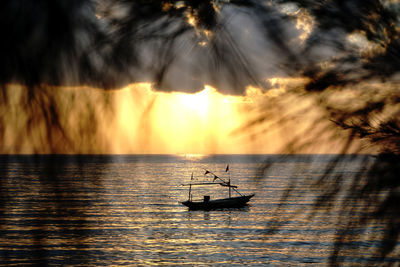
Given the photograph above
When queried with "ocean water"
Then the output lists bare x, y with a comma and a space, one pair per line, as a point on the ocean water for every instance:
125, 210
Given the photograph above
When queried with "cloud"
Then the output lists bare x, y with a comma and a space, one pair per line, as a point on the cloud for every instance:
109, 44
187, 45
47, 41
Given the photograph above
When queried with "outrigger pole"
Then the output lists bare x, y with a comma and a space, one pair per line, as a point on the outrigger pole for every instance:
221, 184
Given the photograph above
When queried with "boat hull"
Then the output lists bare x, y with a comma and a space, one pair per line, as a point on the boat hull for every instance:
233, 202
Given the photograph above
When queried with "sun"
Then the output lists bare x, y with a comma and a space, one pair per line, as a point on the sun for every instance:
179, 123
198, 103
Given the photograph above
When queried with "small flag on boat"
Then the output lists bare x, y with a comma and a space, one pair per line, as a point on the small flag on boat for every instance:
215, 177
206, 172
227, 168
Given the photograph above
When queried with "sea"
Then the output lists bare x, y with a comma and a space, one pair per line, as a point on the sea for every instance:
116, 210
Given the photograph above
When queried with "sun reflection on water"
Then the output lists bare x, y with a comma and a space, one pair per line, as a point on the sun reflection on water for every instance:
128, 213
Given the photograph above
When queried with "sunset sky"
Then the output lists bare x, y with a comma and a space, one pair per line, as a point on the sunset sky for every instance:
137, 119
181, 78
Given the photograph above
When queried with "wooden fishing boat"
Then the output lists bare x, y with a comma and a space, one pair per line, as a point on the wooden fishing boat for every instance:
209, 204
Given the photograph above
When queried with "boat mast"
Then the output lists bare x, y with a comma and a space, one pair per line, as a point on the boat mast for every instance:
229, 182
190, 188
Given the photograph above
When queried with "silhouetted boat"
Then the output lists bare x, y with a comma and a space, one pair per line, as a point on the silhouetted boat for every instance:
208, 204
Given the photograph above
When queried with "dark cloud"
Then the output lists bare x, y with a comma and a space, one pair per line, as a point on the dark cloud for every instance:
109, 44
228, 45
47, 41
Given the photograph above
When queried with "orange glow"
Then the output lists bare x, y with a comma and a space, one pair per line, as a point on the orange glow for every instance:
137, 119
182, 123
196, 103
